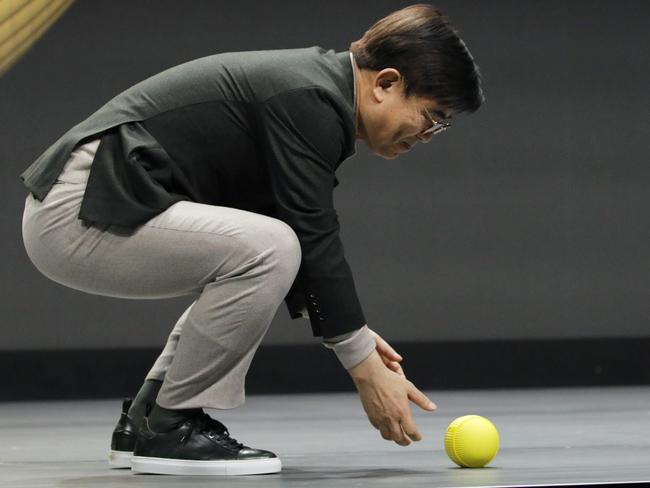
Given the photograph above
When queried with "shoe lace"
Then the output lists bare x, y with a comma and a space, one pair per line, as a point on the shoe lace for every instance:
205, 424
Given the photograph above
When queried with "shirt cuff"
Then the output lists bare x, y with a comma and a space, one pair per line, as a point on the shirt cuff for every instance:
353, 347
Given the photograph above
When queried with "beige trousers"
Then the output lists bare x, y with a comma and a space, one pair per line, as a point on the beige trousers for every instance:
239, 265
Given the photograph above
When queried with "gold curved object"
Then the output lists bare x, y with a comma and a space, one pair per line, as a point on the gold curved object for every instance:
22, 22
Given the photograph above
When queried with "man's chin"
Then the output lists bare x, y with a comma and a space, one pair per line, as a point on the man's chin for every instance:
387, 153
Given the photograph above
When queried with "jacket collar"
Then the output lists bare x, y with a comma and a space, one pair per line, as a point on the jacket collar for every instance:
344, 59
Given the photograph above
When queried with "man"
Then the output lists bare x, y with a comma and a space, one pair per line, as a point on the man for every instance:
215, 178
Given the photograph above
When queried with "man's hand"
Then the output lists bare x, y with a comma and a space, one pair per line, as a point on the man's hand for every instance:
388, 355
384, 395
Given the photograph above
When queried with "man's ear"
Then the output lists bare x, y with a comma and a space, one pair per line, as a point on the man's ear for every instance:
387, 79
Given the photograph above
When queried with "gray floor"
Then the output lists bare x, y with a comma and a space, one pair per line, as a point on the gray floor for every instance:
567, 435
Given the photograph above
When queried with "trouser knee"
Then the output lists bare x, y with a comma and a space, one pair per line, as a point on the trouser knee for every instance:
286, 255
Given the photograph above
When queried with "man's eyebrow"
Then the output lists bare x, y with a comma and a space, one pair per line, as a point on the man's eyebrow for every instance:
439, 113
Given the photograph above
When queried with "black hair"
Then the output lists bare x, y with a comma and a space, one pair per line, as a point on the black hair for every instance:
434, 61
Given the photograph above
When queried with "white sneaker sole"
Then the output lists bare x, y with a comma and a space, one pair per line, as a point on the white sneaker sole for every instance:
120, 459
142, 464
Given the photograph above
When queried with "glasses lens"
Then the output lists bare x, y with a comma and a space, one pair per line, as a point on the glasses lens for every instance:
436, 128
440, 128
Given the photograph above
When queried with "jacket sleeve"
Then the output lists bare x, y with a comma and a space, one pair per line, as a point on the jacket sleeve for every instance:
302, 142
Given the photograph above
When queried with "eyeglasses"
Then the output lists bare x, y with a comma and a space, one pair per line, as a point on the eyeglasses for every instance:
436, 127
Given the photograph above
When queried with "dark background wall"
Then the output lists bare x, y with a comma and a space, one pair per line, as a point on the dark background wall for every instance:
527, 220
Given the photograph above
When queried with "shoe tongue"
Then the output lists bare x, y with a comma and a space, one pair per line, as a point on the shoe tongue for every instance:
215, 426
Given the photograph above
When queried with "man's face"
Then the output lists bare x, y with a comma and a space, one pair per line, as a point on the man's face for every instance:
391, 121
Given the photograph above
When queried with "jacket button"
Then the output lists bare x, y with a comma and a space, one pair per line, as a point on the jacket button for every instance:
321, 318
311, 295
317, 311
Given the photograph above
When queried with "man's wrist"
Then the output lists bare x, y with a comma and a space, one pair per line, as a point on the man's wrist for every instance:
366, 369
352, 348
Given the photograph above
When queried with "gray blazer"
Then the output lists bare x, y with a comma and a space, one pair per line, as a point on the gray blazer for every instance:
258, 130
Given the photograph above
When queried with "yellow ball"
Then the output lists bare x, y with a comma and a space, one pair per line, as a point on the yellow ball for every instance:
471, 441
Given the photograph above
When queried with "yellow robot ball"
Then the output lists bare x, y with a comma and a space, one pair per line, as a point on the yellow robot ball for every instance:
471, 441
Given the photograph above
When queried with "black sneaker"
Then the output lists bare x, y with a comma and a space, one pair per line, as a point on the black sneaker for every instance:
200, 445
123, 439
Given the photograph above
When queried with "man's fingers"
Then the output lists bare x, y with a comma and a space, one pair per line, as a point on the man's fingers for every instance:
385, 348
392, 365
390, 352
420, 399
396, 367
394, 432
410, 429
398, 434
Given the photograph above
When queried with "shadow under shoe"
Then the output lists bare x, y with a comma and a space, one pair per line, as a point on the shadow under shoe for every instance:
200, 445
123, 438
